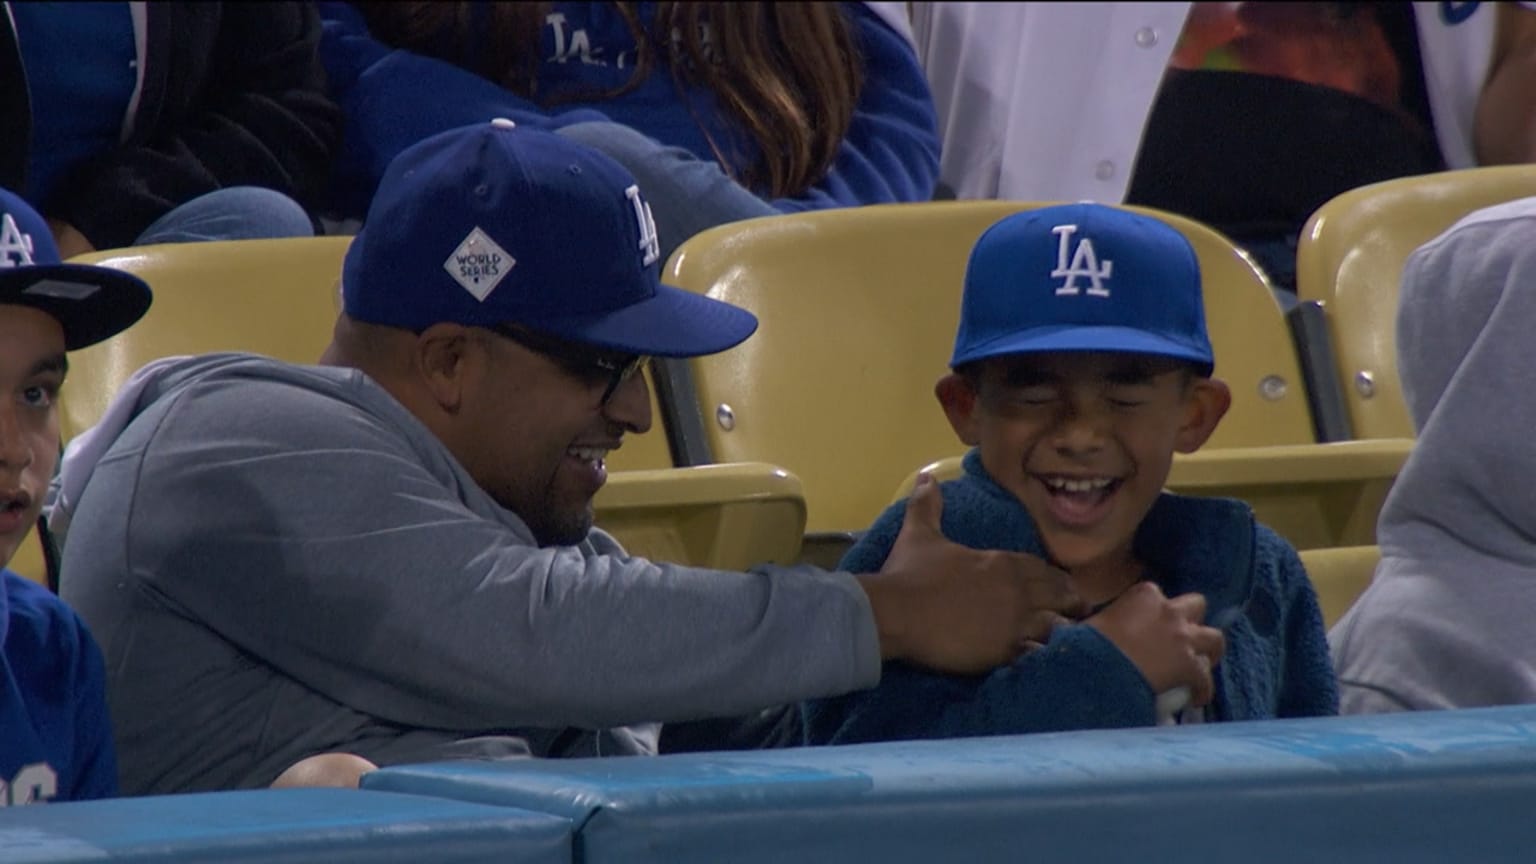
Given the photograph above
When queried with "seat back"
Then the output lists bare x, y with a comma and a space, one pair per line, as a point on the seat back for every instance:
1350, 259
727, 517
1340, 576
858, 311
272, 297
28, 561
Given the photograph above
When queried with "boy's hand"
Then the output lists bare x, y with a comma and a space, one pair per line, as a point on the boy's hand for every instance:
1165, 639
956, 609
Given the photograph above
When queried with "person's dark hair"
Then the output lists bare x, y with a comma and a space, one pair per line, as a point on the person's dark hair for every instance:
793, 78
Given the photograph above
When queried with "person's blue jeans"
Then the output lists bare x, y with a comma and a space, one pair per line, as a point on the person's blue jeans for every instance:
687, 194
235, 213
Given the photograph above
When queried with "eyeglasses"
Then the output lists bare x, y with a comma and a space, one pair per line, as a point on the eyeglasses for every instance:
583, 361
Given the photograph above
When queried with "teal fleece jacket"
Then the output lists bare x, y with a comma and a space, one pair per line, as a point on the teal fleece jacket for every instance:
1276, 664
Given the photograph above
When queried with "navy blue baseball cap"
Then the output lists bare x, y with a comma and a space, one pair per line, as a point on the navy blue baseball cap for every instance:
90, 303
499, 224
1082, 277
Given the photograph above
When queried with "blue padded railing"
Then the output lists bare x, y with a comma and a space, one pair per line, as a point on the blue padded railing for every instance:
282, 825
1432, 786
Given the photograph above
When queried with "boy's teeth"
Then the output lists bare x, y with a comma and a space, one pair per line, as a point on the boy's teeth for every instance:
1065, 485
588, 454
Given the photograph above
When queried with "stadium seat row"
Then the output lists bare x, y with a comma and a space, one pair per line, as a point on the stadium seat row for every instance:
814, 422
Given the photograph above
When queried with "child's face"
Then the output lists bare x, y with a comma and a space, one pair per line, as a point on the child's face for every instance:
32, 368
1083, 439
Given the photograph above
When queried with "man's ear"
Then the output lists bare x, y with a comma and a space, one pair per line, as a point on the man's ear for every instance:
958, 398
443, 362
1204, 405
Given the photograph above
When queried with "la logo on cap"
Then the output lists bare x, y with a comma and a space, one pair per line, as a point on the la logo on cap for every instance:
1085, 263
650, 242
13, 242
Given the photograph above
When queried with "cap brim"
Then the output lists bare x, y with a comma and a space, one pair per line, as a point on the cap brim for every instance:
1075, 338
90, 303
671, 323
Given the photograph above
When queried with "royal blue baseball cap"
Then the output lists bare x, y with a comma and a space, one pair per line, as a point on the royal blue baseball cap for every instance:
1082, 277
90, 303
500, 224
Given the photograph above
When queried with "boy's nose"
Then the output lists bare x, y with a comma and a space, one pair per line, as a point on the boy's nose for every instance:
1080, 430
15, 450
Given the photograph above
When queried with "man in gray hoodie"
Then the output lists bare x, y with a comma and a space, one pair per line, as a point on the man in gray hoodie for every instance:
392, 554
1446, 620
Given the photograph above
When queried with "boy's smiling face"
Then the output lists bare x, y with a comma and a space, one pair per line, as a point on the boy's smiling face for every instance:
1083, 439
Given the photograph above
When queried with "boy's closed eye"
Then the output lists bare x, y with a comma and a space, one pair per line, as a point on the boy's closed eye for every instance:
1038, 395
1130, 395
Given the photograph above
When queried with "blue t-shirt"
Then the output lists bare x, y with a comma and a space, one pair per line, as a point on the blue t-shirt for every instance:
393, 99
80, 62
55, 734
588, 50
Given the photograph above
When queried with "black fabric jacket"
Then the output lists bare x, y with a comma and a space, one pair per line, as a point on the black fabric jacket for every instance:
233, 95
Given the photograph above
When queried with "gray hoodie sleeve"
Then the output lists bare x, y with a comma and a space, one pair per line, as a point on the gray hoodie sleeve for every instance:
337, 541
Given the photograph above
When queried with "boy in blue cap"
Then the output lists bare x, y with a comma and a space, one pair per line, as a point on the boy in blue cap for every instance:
55, 737
1082, 364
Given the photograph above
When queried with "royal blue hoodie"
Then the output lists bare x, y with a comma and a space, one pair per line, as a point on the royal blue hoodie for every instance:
55, 735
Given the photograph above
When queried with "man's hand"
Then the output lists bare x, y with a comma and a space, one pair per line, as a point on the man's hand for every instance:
956, 609
1165, 639
69, 239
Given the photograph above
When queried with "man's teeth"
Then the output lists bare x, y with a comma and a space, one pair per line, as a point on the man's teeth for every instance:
1062, 484
589, 454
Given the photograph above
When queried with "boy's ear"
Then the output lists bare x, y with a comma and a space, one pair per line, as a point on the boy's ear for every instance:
959, 400
1204, 405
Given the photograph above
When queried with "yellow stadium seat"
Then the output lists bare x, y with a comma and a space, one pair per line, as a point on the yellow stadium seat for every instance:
1340, 576
858, 311
272, 297
1314, 495
728, 517
1350, 259
28, 561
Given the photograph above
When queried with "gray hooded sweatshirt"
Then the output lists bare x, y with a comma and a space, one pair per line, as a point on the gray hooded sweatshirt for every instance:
281, 560
1446, 622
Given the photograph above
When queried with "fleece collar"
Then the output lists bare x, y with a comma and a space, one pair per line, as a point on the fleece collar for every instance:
1190, 544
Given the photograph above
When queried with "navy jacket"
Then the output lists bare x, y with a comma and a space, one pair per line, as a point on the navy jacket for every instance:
55, 735
1276, 664
233, 95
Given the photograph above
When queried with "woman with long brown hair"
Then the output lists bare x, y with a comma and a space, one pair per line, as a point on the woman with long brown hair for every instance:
722, 111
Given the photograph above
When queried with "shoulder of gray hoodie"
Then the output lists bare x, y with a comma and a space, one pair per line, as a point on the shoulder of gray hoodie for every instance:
302, 515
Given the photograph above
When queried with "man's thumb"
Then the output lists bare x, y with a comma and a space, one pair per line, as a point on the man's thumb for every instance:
924, 507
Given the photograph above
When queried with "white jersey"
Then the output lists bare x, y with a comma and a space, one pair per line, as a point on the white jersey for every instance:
1047, 101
